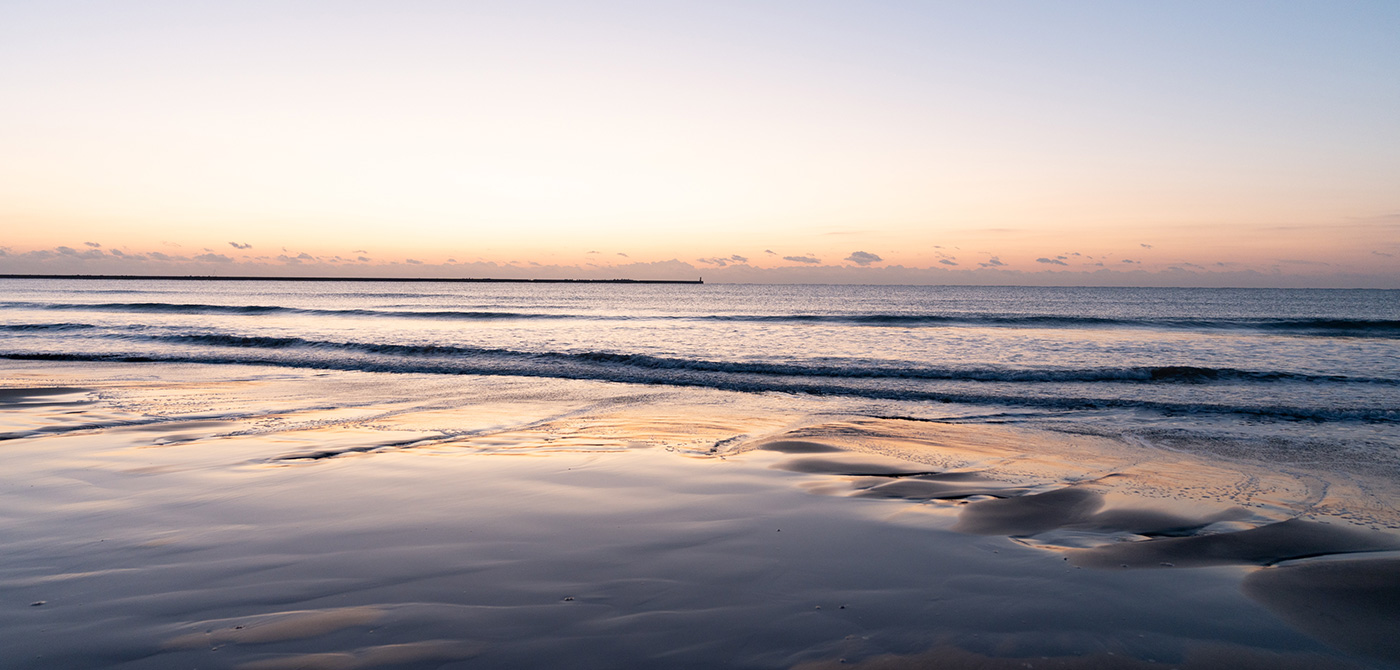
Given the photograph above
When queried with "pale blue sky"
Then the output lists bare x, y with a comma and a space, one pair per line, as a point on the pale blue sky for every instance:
1253, 134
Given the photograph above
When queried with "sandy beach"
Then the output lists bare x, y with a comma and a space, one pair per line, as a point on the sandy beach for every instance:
171, 515
775, 335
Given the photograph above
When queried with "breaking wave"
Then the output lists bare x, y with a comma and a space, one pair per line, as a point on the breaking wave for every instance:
1326, 327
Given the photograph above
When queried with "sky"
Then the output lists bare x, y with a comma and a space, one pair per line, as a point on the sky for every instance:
1064, 143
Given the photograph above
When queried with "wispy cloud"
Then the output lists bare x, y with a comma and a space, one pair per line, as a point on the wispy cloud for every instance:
1051, 261
947, 262
803, 259
297, 259
70, 251
213, 258
236, 245
993, 262
1145, 245
93, 244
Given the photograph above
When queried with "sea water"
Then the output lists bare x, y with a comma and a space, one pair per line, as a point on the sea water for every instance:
1300, 376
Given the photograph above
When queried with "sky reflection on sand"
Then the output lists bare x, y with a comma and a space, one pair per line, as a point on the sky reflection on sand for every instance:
418, 525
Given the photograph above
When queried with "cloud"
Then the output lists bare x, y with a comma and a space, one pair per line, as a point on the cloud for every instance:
1051, 261
993, 262
236, 245
863, 258
1063, 258
722, 262
362, 259
413, 261
92, 244
70, 251
770, 251
592, 252
1145, 245
803, 259
353, 251
213, 258
1125, 260
1382, 253
947, 262
166, 257
623, 255
1296, 261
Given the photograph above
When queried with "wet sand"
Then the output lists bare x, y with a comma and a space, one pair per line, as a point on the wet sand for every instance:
179, 516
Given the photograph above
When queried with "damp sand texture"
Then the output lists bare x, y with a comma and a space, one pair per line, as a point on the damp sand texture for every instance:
194, 516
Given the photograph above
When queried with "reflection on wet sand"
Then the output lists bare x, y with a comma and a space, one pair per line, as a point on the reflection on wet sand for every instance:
950, 657
513, 523
1350, 602
1353, 604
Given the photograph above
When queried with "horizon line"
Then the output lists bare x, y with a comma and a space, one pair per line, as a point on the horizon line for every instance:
700, 281
481, 280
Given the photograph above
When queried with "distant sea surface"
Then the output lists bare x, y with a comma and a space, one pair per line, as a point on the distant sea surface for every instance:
1309, 377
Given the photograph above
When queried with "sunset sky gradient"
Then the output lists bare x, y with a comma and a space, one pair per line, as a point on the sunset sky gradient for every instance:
1183, 143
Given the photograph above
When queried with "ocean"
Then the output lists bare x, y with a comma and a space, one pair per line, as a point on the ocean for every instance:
1300, 375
